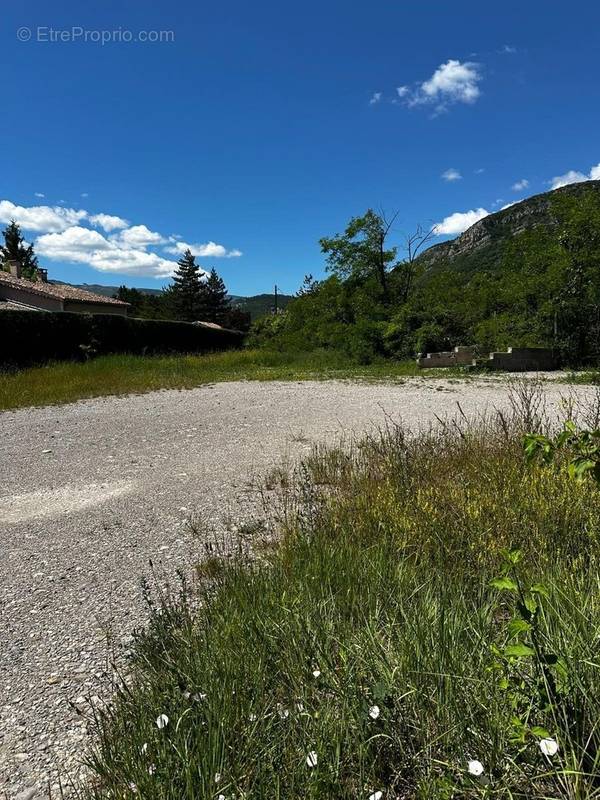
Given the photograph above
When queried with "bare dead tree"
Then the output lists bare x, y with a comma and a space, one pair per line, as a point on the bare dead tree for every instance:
413, 244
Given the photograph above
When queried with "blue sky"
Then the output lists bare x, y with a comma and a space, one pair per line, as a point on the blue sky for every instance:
260, 127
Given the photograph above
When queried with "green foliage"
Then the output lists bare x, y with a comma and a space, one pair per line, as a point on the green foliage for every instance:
189, 298
360, 252
143, 305
582, 447
371, 636
537, 287
14, 249
216, 300
187, 295
36, 338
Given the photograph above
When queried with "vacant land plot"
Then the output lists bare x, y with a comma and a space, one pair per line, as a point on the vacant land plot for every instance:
94, 491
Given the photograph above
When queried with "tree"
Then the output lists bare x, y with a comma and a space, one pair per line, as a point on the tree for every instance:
15, 249
135, 299
413, 243
309, 286
218, 304
360, 252
187, 295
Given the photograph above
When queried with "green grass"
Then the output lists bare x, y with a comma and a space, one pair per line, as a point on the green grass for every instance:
64, 382
591, 376
378, 594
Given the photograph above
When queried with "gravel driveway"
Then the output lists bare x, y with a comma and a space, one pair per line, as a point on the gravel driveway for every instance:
91, 491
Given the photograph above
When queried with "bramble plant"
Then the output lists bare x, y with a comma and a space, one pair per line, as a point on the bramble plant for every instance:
583, 448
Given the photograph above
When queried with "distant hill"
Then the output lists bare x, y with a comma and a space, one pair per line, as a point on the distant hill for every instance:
260, 304
256, 305
482, 246
106, 291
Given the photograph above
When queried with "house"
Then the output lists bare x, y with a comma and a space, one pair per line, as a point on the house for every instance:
18, 293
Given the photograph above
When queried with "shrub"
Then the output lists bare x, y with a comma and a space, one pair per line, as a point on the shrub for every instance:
32, 337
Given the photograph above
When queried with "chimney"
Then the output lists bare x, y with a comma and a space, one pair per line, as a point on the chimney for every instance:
42, 275
15, 267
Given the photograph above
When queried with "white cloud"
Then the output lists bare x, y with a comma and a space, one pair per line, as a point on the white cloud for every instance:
65, 234
85, 246
452, 82
451, 175
402, 91
480, 171
208, 250
39, 194
140, 236
459, 222
520, 185
41, 218
508, 205
574, 176
85, 194
509, 49
375, 98
108, 222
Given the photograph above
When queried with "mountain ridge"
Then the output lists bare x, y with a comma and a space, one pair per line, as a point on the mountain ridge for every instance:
500, 226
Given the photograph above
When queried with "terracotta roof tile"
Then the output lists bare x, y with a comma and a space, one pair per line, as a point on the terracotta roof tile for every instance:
61, 291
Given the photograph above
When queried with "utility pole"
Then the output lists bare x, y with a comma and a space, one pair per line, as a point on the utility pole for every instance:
276, 307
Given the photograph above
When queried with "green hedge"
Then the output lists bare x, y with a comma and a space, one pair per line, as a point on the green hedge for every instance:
34, 337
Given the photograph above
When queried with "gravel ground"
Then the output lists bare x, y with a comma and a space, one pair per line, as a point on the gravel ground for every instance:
93, 490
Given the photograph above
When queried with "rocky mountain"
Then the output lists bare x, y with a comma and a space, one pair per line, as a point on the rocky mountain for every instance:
481, 245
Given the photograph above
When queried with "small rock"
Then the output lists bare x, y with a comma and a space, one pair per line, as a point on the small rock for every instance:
26, 794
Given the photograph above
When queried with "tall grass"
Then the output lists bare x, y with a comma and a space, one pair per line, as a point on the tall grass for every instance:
365, 653
64, 382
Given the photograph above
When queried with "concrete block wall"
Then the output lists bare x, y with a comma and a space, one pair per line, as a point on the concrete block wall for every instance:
522, 359
458, 357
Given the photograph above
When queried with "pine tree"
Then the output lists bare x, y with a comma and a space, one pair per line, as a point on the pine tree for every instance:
14, 249
218, 303
187, 294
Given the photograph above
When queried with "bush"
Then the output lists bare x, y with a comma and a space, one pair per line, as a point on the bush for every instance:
34, 337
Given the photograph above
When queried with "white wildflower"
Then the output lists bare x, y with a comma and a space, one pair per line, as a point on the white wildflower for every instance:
475, 768
252, 717
549, 747
217, 777
316, 672
283, 712
312, 759
186, 695
300, 707
144, 748
133, 787
162, 721
151, 769
374, 712
221, 797
376, 795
